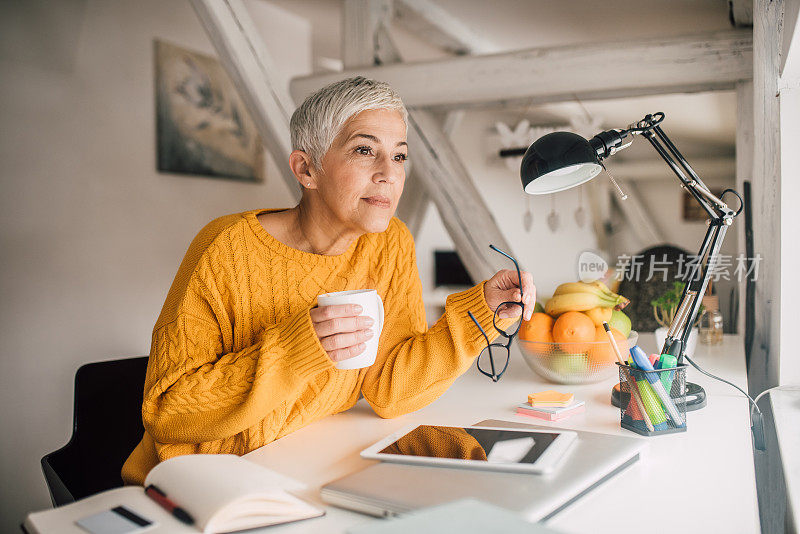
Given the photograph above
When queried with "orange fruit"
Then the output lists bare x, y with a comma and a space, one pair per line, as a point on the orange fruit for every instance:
539, 328
573, 330
602, 353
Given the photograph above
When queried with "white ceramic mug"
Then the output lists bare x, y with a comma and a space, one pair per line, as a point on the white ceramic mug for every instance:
372, 306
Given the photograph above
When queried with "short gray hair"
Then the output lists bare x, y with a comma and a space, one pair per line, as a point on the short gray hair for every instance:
321, 116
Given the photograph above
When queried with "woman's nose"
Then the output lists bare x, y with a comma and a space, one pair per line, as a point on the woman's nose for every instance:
388, 171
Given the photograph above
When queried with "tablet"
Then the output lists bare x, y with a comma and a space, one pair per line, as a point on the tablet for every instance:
489, 448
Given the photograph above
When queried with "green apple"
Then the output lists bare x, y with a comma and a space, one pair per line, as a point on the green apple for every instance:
569, 364
538, 308
621, 322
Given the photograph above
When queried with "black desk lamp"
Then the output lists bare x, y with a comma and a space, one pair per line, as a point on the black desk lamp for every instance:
561, 160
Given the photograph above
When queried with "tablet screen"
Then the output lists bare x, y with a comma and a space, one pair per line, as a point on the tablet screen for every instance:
488, 445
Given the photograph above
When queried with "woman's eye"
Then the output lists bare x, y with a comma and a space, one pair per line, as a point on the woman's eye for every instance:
401, 157
364, 150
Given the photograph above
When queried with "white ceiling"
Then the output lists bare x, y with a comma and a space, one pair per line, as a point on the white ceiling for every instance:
706, 122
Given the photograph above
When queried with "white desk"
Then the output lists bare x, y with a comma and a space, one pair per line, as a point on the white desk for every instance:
702, 480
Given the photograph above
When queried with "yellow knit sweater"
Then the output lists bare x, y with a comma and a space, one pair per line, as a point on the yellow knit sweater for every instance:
235, 362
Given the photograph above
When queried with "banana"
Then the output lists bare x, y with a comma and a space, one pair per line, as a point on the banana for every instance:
580, 301
606, 298
582, 287
601, 286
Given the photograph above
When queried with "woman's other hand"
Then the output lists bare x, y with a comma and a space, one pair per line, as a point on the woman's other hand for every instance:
504, 286
341, 330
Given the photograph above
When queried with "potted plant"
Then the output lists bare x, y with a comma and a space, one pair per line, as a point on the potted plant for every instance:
664, 308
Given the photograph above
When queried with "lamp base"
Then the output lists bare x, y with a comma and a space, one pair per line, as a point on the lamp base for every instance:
695, 396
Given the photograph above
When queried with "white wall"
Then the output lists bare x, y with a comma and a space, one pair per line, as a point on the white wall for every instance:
91, 234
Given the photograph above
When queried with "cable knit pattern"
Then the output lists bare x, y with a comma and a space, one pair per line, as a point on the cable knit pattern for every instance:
235, 362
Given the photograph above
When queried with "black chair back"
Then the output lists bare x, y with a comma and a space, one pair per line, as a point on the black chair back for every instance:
107, 425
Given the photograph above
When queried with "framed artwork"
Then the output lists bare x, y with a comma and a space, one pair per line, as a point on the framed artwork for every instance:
692, 210
202, 125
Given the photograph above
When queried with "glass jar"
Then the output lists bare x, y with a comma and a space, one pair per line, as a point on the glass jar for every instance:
711, 327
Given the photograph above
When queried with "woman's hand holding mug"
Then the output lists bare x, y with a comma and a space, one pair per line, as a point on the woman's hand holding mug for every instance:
350, 339
341, 330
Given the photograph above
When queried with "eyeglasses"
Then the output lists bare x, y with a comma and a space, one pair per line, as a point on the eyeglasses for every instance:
501, 350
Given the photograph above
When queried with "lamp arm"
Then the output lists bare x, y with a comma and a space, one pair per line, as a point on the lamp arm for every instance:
721, 216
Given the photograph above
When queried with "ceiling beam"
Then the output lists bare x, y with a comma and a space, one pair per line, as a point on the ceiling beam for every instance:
659, 65
244, 57
431, 23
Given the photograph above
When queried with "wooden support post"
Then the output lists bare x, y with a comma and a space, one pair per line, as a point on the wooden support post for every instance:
744, 172
245, 58
764, 358
415, 201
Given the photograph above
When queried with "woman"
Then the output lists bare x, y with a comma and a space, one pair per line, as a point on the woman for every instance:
241, 355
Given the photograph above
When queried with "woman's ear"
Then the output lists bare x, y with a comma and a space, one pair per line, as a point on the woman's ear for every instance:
300, 162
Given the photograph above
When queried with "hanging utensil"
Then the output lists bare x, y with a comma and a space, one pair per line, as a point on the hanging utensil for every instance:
580, 213
527, 217
553, 219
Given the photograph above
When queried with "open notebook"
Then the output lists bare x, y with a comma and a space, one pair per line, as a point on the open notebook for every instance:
222, 492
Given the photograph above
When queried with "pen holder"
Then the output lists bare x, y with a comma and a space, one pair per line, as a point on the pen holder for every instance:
652, 402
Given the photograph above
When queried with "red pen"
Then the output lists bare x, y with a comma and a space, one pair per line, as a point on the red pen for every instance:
161, 498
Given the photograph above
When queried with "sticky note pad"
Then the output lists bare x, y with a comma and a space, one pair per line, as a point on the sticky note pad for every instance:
550, 398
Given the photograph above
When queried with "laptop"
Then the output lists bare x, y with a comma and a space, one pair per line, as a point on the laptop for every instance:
389, 489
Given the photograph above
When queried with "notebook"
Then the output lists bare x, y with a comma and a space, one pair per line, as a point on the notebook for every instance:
221, 492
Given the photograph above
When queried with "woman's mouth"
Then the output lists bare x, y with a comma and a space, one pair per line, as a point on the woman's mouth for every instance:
378, 201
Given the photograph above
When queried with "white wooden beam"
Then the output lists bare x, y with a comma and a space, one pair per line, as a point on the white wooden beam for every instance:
660, 65
439, 27
464, 213
245, 58
637, 216
415, 201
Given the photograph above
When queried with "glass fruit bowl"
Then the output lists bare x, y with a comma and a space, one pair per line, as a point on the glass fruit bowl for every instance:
575, 363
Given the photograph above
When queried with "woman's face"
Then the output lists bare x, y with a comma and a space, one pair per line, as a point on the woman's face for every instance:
363, 172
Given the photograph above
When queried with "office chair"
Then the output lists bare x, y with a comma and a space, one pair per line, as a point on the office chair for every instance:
106, 426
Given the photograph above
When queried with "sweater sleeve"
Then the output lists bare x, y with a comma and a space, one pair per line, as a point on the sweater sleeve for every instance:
198, 387
416, 365
194, 393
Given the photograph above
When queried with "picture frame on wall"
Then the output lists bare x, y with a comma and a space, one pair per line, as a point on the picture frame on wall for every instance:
692, 210
202, 125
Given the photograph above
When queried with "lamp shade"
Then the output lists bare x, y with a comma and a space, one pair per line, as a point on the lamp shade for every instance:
558, 161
